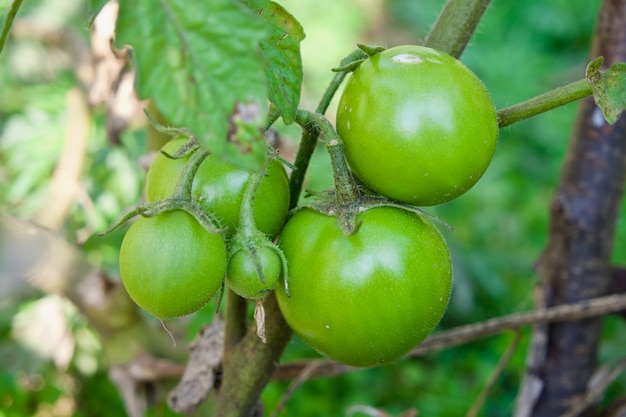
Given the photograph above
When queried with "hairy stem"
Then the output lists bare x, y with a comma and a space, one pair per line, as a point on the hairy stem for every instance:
544, 102
456, 25
345, 186
309, 136
235, 323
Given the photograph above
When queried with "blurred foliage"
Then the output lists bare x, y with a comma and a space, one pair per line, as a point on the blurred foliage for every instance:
500, 227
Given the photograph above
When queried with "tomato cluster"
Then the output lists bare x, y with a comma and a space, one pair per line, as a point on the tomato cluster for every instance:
419, 128
170, 264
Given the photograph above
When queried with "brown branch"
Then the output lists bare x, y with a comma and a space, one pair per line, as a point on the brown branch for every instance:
302, 377
251, 365
570, 312
575, 264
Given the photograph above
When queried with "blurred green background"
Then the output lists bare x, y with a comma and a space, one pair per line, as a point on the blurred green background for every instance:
521, 49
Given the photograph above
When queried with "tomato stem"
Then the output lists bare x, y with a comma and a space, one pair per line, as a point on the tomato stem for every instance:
310, 134
236, 322
455, 25
185, 182
544, 102
346, 188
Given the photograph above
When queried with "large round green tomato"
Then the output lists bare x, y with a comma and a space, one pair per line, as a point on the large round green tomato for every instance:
219, 187
170, 265
419, 127
368, 298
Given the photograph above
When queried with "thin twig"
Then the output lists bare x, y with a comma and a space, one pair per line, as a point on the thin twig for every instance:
594, 307
493, 378
304, 376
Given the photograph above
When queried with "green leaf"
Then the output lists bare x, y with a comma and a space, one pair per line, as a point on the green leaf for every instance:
199, 62
609, 88
282, 50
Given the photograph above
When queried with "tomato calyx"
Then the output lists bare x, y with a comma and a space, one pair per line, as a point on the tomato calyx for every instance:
352, 62
346, 211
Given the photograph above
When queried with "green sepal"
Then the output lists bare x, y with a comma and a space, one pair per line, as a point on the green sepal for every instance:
370, 50
346, 213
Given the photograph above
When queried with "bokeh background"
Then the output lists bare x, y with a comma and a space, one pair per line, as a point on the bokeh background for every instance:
521, 49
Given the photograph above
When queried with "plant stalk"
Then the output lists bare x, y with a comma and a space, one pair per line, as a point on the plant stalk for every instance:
544, 102
456, 25
310, 136
345, 186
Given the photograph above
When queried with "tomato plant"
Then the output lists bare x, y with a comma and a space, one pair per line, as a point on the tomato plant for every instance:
419, 127
170, 265
243, 277
219, 187
368, 298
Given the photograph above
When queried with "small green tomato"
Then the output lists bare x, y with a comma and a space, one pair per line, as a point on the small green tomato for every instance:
243, 277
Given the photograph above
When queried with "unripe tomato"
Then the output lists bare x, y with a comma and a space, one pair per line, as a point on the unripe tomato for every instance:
170, 265
368, 298
419, 127
219, 187
243, 278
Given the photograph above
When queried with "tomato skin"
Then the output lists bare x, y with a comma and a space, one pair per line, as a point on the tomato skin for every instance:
219, 187
419, 127
170, 265
369, 298
242, 276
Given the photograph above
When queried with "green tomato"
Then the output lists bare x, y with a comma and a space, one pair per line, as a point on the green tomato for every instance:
243, 278
369, 298
170, 265
219, 187
419, 127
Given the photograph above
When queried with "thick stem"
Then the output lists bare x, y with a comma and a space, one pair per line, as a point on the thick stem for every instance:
235, 323
456, 25
544, 102
345, 186
252, 364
